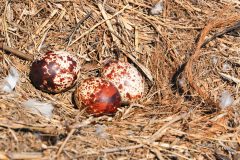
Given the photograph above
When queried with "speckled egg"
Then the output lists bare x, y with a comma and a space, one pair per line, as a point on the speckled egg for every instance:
55, 71
99, 96
126, 78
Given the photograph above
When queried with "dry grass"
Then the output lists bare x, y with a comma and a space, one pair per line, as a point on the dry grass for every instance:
178, 118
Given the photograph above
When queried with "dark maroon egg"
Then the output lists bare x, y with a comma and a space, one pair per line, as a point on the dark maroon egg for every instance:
100, 97
55, 72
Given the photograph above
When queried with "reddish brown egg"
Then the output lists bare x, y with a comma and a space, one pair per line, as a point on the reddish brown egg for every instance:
55, 72
126, 78
100, 97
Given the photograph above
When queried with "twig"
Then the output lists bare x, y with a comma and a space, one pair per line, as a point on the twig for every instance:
158, 134
16, 52
25, 155
116, 39
65, 141
142, 67
230, 78
46, 21
157, 153
69, 39
110, 27
136, 39
4, 122
119, 149
225, 31
74, 128
98, 24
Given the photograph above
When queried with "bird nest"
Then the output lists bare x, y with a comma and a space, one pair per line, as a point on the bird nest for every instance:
188, 52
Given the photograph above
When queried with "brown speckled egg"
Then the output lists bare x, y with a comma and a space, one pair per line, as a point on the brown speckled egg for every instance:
55, 71
99, 96
126, 78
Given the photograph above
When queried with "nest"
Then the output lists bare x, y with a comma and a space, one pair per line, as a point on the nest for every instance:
188, 54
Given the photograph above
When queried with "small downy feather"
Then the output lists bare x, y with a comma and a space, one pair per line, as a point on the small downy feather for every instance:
101, 131
226, 99
157, 8
38, 107
10, 82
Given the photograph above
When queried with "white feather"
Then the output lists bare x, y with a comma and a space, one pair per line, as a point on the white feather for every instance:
181, 82
37, 107
226, 67
101, 131
214, 60
226, 99
157, 8
11, 80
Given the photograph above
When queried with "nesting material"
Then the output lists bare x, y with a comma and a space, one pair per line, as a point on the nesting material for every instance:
172, 120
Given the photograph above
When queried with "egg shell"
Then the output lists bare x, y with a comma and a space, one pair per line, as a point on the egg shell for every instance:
100, 97
55, 71
126, 78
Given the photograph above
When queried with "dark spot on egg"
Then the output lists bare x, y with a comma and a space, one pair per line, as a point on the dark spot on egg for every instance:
128, 96
120, 86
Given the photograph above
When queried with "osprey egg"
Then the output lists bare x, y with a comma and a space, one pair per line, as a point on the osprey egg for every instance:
99, 96
55, 71
126, 78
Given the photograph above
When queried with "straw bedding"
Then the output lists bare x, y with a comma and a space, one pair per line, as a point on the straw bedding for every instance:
181, 115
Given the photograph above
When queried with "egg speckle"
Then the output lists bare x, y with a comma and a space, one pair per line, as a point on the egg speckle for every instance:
98, 96
127, 78
55, 71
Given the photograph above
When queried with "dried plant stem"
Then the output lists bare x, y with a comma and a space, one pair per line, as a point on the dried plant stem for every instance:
158, 134
69, 39
110, 27
25, 155
65, 141
230, 78
16, 52
98, 24
118, 149
17, 125
225, 31
46, 21
74, 128
145, 70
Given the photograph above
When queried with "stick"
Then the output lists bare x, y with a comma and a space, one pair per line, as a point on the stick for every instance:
25, 155
108, 22
69, 39
46, 21
74, 128
145, 70
16, 52
119, 149
225, 31
158, 134
98, 24
65, 141
4, 122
